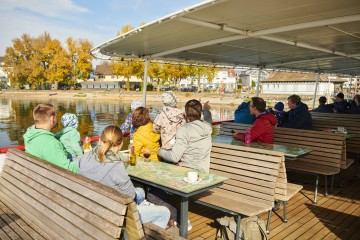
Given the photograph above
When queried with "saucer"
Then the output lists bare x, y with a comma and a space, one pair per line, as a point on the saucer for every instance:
198, 180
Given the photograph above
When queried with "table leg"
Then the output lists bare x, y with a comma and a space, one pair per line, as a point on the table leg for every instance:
184, 208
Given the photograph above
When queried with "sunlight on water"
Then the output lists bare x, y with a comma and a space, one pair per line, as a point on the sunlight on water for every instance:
93, 115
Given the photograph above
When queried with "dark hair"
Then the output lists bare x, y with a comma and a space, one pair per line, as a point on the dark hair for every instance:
43, 112
111, 136
340, 95
322, 100
193, 110
295, 99
259, 104
140, 117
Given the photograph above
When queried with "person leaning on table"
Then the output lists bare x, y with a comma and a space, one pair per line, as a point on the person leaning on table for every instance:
263, 127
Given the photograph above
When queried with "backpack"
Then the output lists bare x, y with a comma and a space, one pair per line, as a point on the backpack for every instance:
251, 228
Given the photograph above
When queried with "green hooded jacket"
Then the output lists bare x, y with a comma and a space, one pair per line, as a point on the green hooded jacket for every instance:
70, 138
43, 144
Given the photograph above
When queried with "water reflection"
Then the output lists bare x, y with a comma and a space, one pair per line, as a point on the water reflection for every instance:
93, 115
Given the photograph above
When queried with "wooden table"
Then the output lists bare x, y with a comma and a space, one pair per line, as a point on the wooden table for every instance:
170, 178
290, 152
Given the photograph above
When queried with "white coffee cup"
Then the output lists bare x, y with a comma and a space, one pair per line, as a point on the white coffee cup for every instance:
192, 176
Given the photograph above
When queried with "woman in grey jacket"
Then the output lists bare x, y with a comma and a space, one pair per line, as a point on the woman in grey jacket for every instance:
193, 140
102, 164
191, 149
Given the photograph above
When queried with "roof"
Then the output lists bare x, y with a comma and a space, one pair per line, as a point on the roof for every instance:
103, 70
306, 35
299, 77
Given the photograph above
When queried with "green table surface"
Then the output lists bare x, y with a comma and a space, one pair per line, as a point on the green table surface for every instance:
171, 176
289, 151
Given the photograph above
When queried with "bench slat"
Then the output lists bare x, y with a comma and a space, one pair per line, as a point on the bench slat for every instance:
79, 217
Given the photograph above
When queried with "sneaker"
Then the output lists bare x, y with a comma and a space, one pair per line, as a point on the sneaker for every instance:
146, 203
189, 225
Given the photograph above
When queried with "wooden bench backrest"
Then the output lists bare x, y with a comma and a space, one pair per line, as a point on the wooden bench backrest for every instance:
61, 204
351, 122
252, 172
328, 148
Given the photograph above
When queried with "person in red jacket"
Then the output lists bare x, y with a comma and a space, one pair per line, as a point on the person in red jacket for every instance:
263, 127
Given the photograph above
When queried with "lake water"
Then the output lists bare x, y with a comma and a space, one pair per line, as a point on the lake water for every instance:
93, 115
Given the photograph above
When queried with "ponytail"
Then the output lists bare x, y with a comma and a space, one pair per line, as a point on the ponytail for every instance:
110, 137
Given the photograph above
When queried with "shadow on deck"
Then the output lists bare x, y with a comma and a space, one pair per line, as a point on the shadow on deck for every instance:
336, 216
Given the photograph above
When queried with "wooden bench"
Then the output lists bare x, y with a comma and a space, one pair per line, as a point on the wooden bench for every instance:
59, 204
350, 122
326, 158
252, 175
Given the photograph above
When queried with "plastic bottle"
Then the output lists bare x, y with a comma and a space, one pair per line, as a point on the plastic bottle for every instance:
132, 152
87, 145
247, 136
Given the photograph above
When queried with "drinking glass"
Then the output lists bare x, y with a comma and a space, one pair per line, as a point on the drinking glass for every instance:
146, 153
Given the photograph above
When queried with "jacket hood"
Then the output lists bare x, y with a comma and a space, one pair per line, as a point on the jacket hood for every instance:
270, 117
243, 105
173, 114
33, 132
150, 136
94, 169
200, 128
302, 106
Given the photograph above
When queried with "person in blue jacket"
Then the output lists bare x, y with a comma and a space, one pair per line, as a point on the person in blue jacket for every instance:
323, 107
298, 116
242, 114
340, 105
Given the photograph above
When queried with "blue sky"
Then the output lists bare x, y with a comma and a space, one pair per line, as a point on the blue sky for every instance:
95, 20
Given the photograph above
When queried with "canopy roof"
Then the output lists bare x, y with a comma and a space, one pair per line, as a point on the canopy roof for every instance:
303, 35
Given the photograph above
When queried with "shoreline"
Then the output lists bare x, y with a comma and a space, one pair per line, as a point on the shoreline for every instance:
231, 99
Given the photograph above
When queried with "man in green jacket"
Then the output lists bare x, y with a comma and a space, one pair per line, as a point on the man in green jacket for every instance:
41, 142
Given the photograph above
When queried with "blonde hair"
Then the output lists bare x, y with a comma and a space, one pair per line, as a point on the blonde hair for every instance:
43, 112
111, 136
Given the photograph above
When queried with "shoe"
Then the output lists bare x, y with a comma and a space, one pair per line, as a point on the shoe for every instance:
189, 225
146, 203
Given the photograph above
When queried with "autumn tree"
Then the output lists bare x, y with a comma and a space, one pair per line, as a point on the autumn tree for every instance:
40, 60
80, 58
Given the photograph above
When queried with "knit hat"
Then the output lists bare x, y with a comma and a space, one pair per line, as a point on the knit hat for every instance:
135, 104
169, 99
279, 106
340, 95
69, 120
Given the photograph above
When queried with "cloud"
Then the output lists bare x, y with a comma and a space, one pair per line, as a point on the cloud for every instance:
50, 8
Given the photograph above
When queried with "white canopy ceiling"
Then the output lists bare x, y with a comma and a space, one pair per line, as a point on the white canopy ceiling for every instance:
304, 35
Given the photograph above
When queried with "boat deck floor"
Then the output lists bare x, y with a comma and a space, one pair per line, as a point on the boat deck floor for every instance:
336, 216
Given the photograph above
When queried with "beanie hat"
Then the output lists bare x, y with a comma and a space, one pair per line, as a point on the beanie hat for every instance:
69, 120
135, 104
340, 95
169, 99
279, 106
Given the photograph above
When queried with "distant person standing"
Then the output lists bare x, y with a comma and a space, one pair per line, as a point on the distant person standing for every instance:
340, 105
242, 114
263, 128
41, 142
298, 116
323, 107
